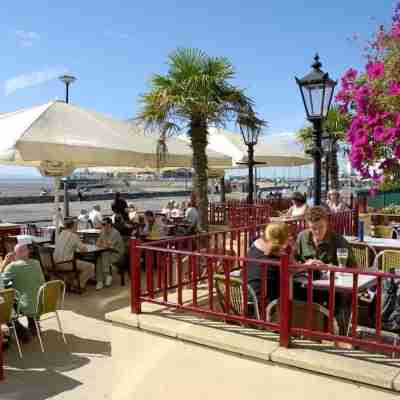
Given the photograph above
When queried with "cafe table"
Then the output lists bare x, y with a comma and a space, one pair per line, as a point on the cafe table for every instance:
92, 231
343, 286
377, 243
38, 240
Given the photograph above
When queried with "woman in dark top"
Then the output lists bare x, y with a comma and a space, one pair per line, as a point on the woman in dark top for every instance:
269, 247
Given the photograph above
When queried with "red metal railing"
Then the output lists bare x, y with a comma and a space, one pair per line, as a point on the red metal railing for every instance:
248, 215
218, 212
181, 274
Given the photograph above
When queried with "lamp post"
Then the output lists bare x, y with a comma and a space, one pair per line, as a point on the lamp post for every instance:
67, 80
316, 90
329, 146
250, 136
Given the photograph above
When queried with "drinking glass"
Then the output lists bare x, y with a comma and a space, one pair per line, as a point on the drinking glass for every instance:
342, 255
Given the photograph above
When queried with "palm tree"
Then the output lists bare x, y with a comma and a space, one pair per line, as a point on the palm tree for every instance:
335, 126
194, 94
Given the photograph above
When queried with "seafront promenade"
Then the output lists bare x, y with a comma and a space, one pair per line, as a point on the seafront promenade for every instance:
44, 211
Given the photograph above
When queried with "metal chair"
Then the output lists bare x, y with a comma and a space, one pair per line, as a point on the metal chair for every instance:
50, 299
236, 295
9, 243
7, 313
52, 270
383, 231
387, 259
300, 316
364, 255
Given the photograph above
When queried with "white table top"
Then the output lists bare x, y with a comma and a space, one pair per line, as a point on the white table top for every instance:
343, 282
379, 243
33, 239
89, 231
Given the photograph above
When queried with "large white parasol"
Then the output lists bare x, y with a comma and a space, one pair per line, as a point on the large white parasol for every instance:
58, 137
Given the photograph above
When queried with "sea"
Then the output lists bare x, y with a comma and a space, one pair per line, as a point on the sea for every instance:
24, 186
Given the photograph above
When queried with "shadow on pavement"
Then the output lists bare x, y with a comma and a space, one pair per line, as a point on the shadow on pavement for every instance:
42, 375
34, 385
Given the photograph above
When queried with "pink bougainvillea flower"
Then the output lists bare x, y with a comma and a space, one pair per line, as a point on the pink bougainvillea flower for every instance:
395, 32
375, 69
379, 133
392, 135
394, 88
350, 74
396, 151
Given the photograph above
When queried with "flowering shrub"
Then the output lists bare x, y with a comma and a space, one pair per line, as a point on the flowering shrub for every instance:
372, 99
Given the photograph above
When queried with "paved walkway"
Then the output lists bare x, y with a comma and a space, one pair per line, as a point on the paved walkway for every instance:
146, 366
157, 368
80, 370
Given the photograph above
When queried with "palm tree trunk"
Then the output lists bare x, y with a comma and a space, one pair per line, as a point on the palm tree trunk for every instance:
198, 135
334, 171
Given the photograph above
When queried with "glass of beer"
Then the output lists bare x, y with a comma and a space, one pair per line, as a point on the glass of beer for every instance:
342, 255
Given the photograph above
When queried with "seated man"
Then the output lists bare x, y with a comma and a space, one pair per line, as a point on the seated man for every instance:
192, 218
95, 217
83, 220
24, 275
109, 238
67, 244
319, 244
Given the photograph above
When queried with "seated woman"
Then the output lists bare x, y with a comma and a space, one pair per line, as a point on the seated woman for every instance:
269, 247
176, 211
335, 203
132, 213
168, 209
299, 205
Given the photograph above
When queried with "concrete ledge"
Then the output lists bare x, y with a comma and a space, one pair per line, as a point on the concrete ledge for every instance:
354, 365
348, 367
396, 383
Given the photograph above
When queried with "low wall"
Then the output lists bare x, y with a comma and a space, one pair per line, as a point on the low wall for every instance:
89, 197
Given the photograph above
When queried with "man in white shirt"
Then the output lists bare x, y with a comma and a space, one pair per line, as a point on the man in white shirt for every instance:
83, 220
192, 218
67, 244
95, 217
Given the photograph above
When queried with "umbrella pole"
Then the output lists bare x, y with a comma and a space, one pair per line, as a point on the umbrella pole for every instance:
57, 181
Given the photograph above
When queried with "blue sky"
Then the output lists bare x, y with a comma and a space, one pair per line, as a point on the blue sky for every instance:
113, 47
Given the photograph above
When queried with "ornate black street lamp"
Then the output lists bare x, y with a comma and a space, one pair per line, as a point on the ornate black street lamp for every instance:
67, 80
316, 90
329, 146
250, 136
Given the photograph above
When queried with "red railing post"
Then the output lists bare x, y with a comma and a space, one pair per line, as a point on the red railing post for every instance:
1, 356
285, 302
134, 253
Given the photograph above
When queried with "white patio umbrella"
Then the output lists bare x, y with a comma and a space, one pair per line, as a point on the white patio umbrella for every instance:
273, 150
58, 137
